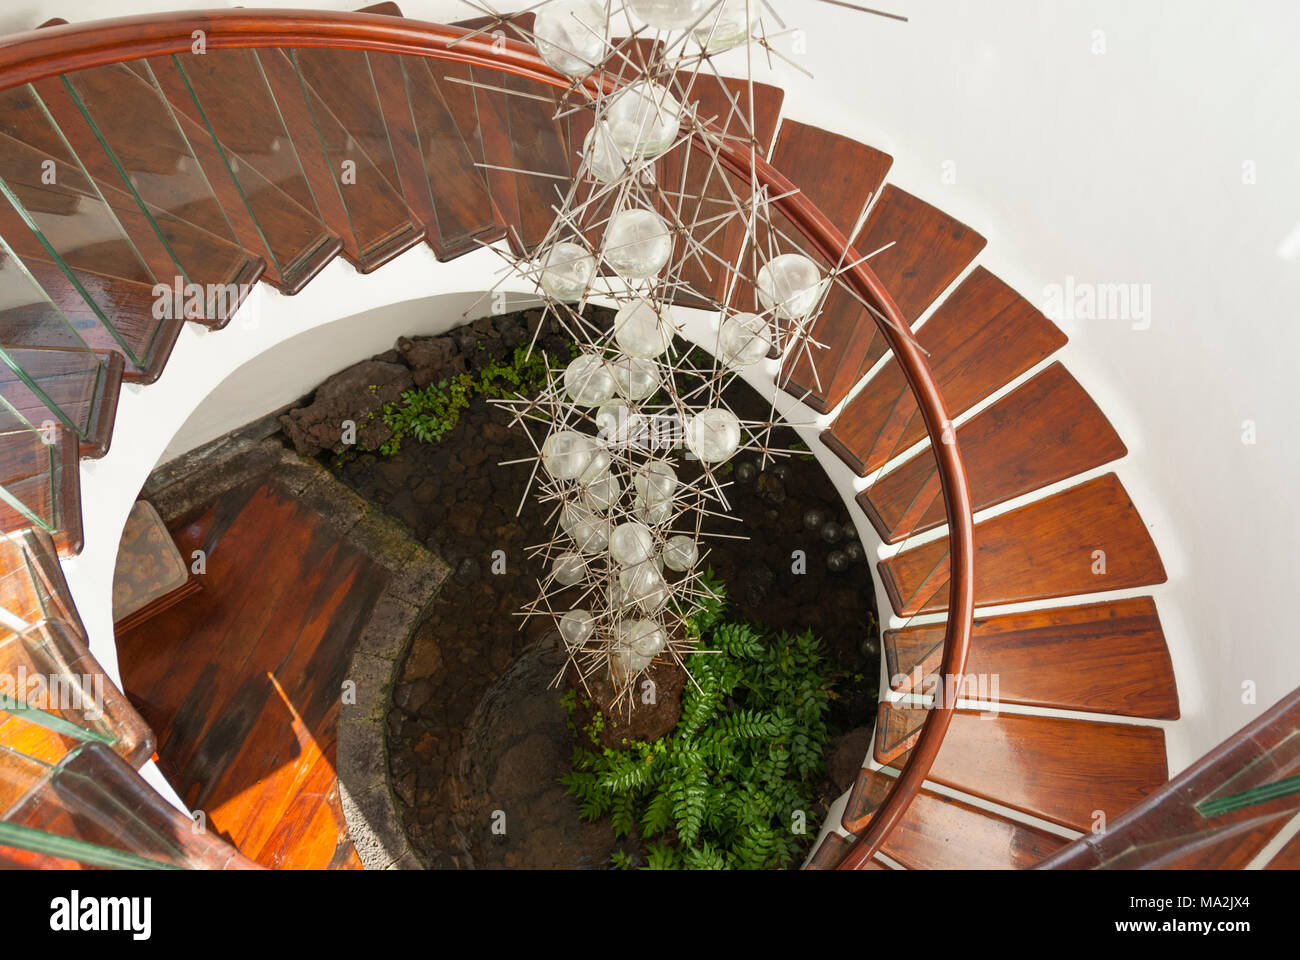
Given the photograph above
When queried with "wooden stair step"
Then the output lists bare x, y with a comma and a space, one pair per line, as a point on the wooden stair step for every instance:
938, 832
1046, 430
839, 175
1097, 658
1169, 829
32, 585
369, 216
1086, 539
464, 216
241, 144
1059, 769
1288, 858
76, 384
129, 304
46, 479
980, 338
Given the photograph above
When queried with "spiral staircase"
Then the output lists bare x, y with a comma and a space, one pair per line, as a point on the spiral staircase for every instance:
128, 159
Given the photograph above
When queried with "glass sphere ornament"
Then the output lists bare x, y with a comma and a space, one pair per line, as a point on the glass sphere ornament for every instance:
744, 339
746, 472
644, 637
603, 493
568, 568
591, 535
567, 271
669, 14
570, 35
831, 532
813, 518
625, 663
654, 512
680, 553
588, 380
566, 453
837, 561
729, 27
643, 120
637, 243
631, 543
613, 421
645, 586
789, 286
853, 550
713, 434
640, 331
655, 482
576, 627
604, 159
781, 471
635, 378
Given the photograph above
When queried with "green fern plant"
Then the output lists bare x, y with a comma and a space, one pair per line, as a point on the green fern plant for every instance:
731, 787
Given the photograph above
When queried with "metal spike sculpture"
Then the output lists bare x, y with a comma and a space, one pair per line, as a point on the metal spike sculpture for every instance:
632, 435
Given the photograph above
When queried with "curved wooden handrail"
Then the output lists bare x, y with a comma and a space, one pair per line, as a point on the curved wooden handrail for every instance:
55, 50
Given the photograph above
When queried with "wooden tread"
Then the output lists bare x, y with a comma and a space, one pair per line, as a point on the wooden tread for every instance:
1059, 769
1099, 658
980, 338
938, 832
1046, 430
1087, 539
46, 479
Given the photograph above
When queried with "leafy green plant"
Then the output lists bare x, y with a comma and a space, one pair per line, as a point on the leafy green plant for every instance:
429, 413
731, 786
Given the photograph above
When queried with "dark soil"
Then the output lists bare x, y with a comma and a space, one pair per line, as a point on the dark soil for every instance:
462, 505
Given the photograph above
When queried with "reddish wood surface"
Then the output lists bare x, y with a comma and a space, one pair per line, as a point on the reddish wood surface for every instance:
46, 479
1102, 658
1166, 831
1048, 429
941, 833
981, 337
1042, 550
840, 175
1288, 858
241, 681
1062, 770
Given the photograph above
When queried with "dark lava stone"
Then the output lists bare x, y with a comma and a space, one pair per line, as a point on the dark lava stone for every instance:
831, 532
814, 518
837, 561
780, 470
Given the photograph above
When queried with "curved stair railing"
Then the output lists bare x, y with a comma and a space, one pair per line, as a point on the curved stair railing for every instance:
200, 199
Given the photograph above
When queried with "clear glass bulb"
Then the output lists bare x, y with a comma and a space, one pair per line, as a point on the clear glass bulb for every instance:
635, 378
567, 271
713, 434
612, 423
604, 160
744, 339
669, 14
569, 568
631, 543
645, 637
728, 27
570, 35
680, 553
588, 380
577, 627
637, 243
655, 481
643, 119
789, 286
640, 331
566, 453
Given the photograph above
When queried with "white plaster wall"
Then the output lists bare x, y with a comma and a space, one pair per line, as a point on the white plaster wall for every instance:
1122, 166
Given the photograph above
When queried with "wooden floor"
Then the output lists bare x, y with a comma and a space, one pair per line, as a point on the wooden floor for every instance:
241, 682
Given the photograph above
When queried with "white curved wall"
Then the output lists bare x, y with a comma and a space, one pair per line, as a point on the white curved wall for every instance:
1124, 166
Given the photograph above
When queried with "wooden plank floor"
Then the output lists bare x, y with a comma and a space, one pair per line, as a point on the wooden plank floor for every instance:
241, 682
